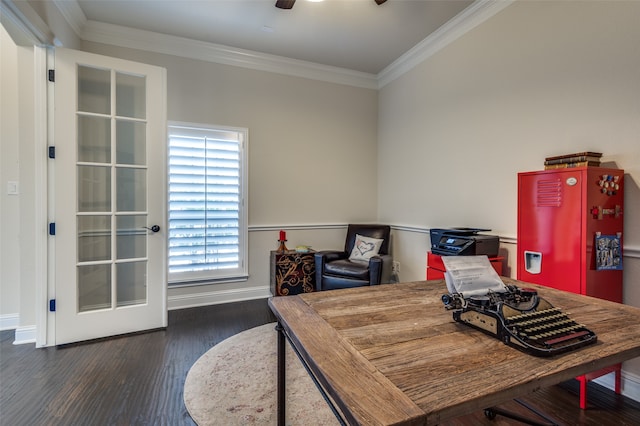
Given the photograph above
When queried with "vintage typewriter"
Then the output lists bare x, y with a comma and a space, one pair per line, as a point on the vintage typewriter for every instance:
522, 319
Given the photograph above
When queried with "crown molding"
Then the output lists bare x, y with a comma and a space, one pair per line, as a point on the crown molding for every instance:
99, 32
24, 24
73, 14
478, 12
116, 35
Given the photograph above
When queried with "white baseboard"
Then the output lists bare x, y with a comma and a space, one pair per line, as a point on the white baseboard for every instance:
9, 321
217, 297
25, 335
630, 384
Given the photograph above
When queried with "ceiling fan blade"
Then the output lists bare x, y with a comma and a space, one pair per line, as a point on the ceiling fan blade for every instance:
379, 2
286, 4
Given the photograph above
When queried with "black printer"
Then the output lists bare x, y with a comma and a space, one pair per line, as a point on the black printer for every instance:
463, 242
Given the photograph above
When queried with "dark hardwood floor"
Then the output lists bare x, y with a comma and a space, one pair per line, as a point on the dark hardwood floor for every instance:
138, 379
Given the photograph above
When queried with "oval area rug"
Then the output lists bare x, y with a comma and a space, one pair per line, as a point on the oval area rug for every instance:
234, 383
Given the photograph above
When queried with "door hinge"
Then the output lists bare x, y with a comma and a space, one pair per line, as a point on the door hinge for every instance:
52, 76
52, 305
52, 152
52, 228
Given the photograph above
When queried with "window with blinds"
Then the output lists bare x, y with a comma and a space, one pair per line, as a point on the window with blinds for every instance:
207, 210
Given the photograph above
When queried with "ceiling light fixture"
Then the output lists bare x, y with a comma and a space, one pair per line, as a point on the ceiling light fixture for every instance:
288, 4
285, 4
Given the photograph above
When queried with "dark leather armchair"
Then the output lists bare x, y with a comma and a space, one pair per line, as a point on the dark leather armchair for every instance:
334, 269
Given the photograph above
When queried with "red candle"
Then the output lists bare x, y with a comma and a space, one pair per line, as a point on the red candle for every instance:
283, 236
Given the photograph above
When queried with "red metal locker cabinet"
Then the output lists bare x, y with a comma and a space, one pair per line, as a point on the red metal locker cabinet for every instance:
560, 214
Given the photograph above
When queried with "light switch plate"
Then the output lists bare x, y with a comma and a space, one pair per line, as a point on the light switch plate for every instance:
13, 188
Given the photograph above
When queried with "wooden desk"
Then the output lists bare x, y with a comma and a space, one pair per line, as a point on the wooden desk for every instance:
391, 354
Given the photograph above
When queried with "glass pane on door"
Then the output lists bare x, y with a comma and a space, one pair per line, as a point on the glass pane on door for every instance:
94, 287
131, 237
132, 189
94, 189
132, 283
94, 90
94, 139
131, 142
130, 95
94, 238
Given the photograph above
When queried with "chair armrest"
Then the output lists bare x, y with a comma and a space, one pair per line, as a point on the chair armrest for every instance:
322, 257
380, 268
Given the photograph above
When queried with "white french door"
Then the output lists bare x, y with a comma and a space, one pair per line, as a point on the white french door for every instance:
109, 196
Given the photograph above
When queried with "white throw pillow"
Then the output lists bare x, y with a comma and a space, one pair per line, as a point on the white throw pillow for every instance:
365, 248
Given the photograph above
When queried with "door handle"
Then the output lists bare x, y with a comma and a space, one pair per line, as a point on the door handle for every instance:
153, 228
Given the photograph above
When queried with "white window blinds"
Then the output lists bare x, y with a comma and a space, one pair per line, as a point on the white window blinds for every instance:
207, 213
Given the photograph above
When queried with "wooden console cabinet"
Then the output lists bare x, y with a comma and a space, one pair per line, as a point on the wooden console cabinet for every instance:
292, 272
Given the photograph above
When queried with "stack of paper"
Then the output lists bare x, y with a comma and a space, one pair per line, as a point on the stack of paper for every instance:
471, 276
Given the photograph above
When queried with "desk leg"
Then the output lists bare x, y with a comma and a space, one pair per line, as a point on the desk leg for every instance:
281, 375
618, 378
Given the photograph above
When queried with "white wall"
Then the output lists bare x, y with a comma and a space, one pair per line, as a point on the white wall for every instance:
9, 171
536, 80
455, 130
312, 154
17, 217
